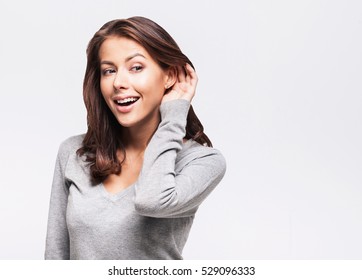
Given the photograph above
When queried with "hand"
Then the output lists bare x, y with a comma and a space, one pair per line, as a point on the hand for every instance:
185, 85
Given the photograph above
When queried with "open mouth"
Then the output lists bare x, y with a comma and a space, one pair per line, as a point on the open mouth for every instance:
126, 102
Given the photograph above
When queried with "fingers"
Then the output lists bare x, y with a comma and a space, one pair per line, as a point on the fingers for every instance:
185, 86
191, 74
181, 75
187, 74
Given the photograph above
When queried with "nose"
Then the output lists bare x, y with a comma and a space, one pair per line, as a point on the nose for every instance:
120, 80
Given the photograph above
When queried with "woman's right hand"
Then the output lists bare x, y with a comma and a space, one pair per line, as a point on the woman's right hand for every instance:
185, 85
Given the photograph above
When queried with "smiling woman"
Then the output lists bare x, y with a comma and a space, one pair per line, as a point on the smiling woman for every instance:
139, 82
130, 187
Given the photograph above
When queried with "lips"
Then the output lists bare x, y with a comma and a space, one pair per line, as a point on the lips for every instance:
126, 103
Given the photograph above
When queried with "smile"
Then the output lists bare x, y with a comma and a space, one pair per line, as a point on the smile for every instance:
126, 101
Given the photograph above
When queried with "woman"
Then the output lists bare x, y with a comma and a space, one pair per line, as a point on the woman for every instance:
130, 187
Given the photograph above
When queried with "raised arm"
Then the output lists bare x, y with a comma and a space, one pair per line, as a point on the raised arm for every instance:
161, 190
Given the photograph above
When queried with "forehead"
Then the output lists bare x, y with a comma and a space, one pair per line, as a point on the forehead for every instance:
120, 48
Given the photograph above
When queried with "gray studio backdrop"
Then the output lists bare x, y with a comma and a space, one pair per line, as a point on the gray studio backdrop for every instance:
280, 94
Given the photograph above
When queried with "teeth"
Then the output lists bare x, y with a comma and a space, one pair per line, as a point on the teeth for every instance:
130, 99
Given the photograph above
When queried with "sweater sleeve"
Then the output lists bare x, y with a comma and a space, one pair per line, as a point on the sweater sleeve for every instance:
161, 191
57, 240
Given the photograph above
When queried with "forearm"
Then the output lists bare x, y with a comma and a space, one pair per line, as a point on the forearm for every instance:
163, 191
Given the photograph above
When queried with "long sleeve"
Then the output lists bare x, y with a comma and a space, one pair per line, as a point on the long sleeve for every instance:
163, 191
57, 240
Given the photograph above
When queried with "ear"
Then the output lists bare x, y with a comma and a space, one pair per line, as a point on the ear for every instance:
170, 78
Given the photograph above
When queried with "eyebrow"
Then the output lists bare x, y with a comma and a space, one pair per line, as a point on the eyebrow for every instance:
126, 60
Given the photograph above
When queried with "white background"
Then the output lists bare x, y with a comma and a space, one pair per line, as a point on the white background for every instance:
279, 94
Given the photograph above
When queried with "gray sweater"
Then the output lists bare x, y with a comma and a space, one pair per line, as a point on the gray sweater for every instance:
152, 218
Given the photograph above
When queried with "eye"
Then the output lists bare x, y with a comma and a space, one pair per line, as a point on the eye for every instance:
108, 71
137, 68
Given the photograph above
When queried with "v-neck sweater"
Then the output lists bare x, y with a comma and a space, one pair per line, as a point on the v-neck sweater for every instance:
150, 219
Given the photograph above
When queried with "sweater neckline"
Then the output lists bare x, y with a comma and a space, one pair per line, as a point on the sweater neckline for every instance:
117, 195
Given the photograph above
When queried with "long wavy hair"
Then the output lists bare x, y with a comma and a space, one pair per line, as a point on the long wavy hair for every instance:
102, 141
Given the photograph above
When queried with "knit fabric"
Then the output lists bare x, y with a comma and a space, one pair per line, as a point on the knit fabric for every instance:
150, 219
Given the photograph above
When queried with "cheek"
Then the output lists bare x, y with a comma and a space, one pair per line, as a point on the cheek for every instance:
106, 91
105, 87
150, 86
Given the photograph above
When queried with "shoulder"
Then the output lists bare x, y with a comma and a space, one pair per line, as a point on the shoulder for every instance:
70, 145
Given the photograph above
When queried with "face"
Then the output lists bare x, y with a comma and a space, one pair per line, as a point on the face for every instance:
132, 83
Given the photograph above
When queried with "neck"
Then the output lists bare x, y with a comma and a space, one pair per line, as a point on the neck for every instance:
136, 138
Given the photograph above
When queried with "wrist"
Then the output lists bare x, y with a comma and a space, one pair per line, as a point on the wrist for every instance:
175, 109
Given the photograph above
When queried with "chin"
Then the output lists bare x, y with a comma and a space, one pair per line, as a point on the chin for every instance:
126, 124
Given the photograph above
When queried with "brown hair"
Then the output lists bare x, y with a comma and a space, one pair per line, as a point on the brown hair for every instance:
102, 141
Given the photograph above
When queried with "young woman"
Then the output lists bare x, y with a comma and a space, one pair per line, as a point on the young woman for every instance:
130, 187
